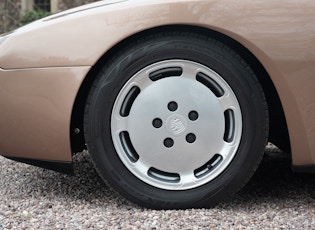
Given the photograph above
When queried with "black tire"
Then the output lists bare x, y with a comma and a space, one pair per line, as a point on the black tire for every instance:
107, 150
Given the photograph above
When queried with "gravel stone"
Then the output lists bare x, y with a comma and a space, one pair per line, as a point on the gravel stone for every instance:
35, 198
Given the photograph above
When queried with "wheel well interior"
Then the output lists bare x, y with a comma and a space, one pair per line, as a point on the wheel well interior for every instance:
278, 132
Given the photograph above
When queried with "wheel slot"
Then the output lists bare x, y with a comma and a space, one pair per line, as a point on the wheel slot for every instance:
210, 83
128, 147
128, 101
229, 125
209, 166
166, 72
164, 176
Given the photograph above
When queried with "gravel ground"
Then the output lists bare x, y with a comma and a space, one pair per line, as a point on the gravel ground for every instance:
34, 198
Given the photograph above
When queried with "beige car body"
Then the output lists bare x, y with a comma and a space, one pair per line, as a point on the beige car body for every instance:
44, 64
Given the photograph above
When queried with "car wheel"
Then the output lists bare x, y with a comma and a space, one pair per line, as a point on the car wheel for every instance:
176, 120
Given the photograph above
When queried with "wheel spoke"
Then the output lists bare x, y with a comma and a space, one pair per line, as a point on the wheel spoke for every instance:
227, 149
121, 124
227, 101
189, 71
188, 179
141, 167
143, 82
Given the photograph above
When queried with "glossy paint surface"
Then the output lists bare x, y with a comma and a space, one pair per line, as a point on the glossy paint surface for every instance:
36, 106
281, 34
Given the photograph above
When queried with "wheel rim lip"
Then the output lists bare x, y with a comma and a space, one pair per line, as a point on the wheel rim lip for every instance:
140, 168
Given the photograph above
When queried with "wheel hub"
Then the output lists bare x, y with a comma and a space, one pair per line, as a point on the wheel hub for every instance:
176, 124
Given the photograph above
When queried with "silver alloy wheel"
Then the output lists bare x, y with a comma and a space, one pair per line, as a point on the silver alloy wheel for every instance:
176, 124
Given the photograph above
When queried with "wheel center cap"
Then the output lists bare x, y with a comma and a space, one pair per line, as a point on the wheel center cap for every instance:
176, 124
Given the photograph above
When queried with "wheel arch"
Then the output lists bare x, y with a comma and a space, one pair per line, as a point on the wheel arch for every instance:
278, 133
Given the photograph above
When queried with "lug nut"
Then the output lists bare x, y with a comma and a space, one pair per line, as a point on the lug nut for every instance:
191, 138
172, 106
157, 123
168, 142
193, 115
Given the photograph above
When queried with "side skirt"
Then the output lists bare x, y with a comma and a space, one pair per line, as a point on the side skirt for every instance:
304, 169
62, 167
